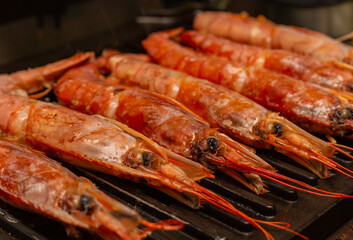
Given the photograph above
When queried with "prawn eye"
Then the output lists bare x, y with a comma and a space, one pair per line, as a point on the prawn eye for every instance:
86, 204
147, 158
213, 144
344, 113
278, 129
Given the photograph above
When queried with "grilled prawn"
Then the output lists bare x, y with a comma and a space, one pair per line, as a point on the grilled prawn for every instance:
165, 121
34, 182
310, 107
111, 147
261, 32
229, 111
305, 68
160, 118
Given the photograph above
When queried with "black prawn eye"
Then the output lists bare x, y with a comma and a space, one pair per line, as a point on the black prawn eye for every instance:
278, 129
213, 144
86, 204
147, 158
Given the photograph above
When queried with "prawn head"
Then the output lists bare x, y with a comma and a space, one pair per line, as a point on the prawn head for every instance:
294, 142
106, 217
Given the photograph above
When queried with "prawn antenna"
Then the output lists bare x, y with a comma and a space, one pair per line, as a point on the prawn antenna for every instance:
338, 147
169, 224
220, 202
275, 177
320, 157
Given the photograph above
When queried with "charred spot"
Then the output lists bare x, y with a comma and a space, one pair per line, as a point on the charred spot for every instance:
147, 158
350, 87
213, 144
86, 204
278, 129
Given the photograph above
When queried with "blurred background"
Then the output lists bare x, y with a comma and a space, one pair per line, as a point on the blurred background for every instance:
37, 32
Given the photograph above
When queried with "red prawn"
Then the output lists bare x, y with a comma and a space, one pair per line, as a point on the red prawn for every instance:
262, 32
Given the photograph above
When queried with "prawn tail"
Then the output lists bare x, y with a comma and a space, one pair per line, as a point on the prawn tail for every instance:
218, 201
276, 177
169, 224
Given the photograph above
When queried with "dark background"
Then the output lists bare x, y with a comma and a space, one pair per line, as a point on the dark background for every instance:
56, 29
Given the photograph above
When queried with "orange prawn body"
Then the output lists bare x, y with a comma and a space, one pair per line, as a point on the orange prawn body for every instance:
233, 113
212, 102
163, 120
111, 147
305, 68
34, 182
261, 32
108, 146
306, 105
168, 123
84, 90
87, 141
90, 142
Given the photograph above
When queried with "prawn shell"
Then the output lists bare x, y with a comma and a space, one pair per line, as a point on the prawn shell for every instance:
34, 182
261, 32
309, 106
304, 68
